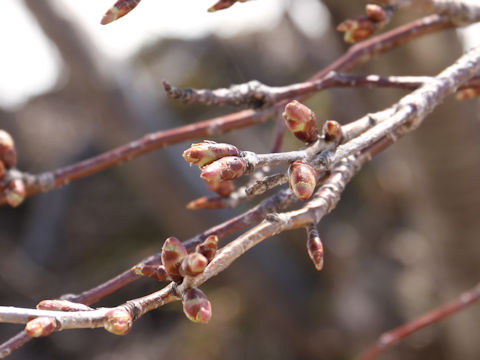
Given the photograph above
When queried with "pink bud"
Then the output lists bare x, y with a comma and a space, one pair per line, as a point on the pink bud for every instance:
196, 306
62, 305
193, 264
332, 131
8, 154
173, 253
301, 121
15, 192
118, 321
302, 179
119, 9
315, 248
204, 153
41, 326
226, 168
157, 272
208, 247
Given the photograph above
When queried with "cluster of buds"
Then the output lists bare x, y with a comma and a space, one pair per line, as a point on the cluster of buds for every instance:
302, 179
223, 4
220, 164
118, 10
118, 321
301, 121
14, 190
360, 28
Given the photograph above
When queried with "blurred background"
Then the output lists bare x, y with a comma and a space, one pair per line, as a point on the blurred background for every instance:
404, 238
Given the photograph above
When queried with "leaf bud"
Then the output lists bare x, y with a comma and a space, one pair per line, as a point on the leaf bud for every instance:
8, 154
302, 179
301, 121
332, 131
157, 272
226, 168
15, 192
118, 321
208, 247
62, 305
173, 253
196, 306
40, 326
193, 264
315, 248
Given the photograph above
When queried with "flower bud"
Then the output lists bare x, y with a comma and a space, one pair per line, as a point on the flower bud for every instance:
376, 13
357, 29
62, 305
196, 306
208, 247
226, 168
222, 188
302, 179
193, 264
204, 153
332, 131
41, 326
173, 253
118, 321
315, 248
157, 272
467, 94
8, 154
15, 192
121, 8
301, 121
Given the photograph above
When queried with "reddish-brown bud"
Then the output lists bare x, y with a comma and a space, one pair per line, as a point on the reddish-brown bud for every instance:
205, 202
208, 247
157, 272
15, 192
223, 4
173, 253
332, 131
62, 305
196, 306
8, 154
376, 12
118, 321
119, 9
222, 188
2, 170
205, 153
41, 326
302, 179
315, 248
301, 121
467, 94
357, 29
193, 264
226, 168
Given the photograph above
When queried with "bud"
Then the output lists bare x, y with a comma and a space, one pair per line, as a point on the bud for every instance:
157, 272
315, 247
196, 306
301, 121
173, 253
204, 153
222, 188
332, 131
205, 202
8, 154
223, 4
357, 29
62, 305
226, 168
302, 179
193, 264
208, 247
41, 326
376, 13
15, 192
467, 94
2, 170
118, 321
121, 8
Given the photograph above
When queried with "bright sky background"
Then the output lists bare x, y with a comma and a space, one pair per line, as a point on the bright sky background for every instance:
29, 64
